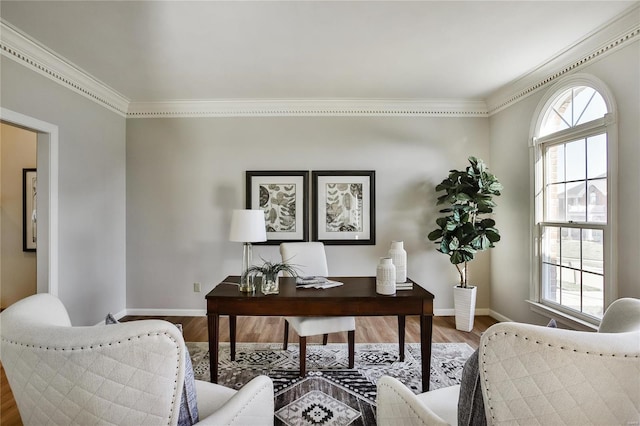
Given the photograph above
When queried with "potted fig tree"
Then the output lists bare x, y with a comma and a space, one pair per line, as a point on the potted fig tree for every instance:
465, 230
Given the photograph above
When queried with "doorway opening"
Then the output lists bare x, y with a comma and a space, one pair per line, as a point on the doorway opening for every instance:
18, 218
47, 197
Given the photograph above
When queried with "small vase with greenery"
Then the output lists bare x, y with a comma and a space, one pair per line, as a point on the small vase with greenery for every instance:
269, 272
463, 231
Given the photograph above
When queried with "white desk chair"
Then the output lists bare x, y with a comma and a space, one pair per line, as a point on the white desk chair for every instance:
310, 260
130, 373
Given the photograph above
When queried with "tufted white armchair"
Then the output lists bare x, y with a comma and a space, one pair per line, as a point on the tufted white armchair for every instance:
539, 375
130, 373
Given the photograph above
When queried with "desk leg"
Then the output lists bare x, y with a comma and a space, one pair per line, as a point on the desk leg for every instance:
232, 336
426, 325
214, 340
401, 328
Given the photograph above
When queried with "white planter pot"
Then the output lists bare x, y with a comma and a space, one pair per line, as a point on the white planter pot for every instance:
464, 301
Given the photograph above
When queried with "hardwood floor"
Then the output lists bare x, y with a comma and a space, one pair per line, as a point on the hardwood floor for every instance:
269, 329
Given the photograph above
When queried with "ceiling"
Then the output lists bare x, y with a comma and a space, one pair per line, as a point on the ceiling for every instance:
253, 50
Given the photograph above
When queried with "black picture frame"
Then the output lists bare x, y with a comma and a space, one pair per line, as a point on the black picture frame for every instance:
29, 219
344, 210
284, 196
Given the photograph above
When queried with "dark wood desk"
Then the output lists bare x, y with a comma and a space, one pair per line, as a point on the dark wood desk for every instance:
357, 297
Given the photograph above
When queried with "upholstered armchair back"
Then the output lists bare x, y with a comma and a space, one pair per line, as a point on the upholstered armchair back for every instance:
128, 373
621, 316
555, 376
538, 375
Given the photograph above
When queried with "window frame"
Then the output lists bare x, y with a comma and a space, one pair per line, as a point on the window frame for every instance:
606, 125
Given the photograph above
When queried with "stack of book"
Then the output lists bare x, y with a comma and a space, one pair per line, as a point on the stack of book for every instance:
316, 282
404, 286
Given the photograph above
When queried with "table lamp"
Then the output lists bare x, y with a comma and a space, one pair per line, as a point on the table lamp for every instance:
247, 226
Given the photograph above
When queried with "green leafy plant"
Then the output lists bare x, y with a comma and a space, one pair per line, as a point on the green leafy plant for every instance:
270, 270
463, 231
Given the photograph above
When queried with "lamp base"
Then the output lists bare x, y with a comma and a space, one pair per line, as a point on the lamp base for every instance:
247, 285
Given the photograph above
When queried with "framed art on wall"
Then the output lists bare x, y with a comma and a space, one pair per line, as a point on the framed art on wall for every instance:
283, 195
344, 207
29, 197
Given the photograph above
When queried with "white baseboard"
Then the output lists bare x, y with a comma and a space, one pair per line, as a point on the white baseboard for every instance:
203, 312
499, 317
452, 312
120, 314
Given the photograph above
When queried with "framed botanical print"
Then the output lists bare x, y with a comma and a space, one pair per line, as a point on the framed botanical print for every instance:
283, 196
344, 207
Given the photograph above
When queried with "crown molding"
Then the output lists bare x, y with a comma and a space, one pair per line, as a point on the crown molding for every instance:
618, 33
307, 107
35, 56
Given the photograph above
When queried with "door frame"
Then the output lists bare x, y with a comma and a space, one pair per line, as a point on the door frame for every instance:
47, 143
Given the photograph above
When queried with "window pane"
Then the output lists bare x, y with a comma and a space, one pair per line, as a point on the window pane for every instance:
576, 202
558, 116
555, 202
576, 160
597, 201
594, 110
582, 97
592, 250
555, 164
551, 245
593, 294
550, 284
570, 246
572, 107
563, 107
597, 156
570, 288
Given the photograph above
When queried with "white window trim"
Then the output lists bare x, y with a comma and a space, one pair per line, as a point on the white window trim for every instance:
609, 124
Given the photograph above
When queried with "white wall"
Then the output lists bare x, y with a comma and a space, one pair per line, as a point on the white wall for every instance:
91, 190
185, 175
620, 71
18, 273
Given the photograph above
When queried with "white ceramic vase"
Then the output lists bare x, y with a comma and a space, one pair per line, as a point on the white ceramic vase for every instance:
464, 302
386, 276
398, 255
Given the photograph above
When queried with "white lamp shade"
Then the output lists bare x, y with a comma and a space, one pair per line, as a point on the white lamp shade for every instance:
248, 226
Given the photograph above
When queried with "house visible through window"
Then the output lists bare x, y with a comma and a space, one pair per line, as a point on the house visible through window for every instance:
572, 203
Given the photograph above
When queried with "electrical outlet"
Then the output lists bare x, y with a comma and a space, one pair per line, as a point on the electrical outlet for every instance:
196, 287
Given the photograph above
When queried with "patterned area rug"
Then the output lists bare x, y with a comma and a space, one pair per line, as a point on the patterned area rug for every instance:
330, 393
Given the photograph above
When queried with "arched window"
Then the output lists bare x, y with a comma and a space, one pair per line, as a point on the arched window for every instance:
574, 106
573, 150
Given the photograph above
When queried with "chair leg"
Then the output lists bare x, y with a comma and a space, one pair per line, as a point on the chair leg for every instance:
325, 339
286, 335
303, 356
351, 337
401, 324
